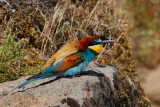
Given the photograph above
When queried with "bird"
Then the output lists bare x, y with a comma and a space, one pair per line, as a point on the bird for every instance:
71, 59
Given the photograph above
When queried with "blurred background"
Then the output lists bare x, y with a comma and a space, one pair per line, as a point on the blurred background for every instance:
144, 28
32, 30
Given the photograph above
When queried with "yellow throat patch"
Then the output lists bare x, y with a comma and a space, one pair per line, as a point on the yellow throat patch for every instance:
97, 48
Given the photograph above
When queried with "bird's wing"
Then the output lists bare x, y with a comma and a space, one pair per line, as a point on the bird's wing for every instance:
67, 49
65, 63
56, 68
70, 61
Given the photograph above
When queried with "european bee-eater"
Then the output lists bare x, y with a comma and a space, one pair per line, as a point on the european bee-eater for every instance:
71, 59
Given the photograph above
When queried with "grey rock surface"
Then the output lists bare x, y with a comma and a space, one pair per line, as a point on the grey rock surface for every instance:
97, 86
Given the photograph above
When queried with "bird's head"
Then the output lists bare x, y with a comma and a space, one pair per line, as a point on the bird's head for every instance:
84, 43
93, 43
96, 46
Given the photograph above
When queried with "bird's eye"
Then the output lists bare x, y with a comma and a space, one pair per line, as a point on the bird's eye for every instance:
93, 43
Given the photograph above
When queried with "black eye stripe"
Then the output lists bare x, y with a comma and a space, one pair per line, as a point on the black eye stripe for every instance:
93, 43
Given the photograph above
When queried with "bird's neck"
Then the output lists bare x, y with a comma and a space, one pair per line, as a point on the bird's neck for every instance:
89, 55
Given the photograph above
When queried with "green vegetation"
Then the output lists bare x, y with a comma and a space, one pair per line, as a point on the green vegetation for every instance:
11, 55
29, 71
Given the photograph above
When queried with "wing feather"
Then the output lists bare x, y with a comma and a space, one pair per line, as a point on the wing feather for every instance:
70, 61
67, 49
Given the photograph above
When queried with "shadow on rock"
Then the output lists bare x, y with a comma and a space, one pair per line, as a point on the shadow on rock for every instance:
84, 73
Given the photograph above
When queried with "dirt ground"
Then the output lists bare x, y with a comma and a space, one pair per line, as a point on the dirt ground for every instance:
150, 78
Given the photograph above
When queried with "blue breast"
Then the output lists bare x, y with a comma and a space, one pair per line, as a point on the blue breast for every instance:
88, 56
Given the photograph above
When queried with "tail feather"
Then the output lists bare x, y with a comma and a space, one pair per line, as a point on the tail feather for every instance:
25, 83
34, 78
46, 72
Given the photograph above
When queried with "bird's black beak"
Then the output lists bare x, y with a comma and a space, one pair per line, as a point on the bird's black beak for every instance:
107, 41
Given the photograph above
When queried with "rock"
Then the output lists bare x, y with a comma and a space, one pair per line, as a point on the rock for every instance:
97, 86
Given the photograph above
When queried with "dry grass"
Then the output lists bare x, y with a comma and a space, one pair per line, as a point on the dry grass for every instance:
83, 19
44, 28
